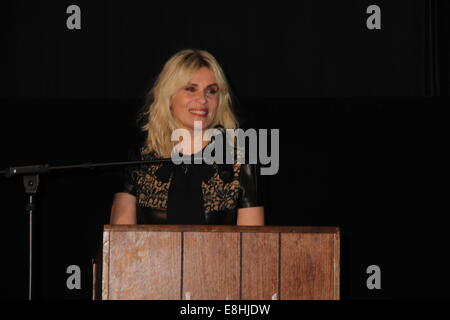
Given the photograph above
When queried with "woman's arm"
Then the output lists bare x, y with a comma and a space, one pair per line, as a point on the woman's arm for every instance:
123, 209
252, 216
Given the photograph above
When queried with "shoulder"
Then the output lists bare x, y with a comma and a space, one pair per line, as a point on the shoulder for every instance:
248, 172
145, 154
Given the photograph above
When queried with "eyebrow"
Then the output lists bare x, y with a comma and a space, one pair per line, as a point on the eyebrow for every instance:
196, 85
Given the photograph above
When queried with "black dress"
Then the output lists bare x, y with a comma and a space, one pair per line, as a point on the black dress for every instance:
192, 193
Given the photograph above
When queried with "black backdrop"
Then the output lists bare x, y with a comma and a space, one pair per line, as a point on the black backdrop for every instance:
360, 113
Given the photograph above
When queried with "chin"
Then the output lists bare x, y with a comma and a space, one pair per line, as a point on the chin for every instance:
205, 124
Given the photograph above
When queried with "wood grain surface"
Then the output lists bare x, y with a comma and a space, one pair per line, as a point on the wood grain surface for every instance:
307, 266
259, 266
171, 262
218, 228
144, 265
211, 266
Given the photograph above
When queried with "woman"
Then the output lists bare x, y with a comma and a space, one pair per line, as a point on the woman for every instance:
190, 88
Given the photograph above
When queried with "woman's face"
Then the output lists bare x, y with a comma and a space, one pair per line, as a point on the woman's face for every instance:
197, 100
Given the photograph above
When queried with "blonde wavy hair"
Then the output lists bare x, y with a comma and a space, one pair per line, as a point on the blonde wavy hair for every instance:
175, 74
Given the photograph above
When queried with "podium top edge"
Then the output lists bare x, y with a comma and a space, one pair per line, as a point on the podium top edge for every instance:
219, 228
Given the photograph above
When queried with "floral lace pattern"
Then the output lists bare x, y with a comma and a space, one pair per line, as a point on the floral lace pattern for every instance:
153, 183
219, 195
152, 192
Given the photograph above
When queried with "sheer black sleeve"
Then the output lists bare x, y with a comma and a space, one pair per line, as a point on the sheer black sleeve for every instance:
127, 181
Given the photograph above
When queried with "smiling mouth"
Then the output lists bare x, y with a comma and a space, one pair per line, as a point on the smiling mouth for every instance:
199, 112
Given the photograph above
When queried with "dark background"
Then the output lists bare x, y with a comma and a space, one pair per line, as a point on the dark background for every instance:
360, 113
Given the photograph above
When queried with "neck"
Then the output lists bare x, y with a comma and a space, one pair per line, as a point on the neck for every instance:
195, 144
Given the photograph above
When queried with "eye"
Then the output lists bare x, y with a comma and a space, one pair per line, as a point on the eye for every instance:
191, 89
212, 91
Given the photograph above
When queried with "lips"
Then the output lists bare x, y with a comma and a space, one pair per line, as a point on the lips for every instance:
202, 112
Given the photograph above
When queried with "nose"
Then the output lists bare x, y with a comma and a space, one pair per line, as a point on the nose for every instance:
202, 97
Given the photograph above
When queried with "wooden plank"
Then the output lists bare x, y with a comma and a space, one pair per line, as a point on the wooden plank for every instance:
211, 266
97, 262
145, 265
95, 280
105, 266
219, 228
307, 265
336, 265
259, 266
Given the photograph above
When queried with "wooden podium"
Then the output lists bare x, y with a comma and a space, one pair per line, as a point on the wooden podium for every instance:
196, 262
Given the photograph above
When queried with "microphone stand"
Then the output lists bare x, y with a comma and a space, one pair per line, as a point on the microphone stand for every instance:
31, 183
